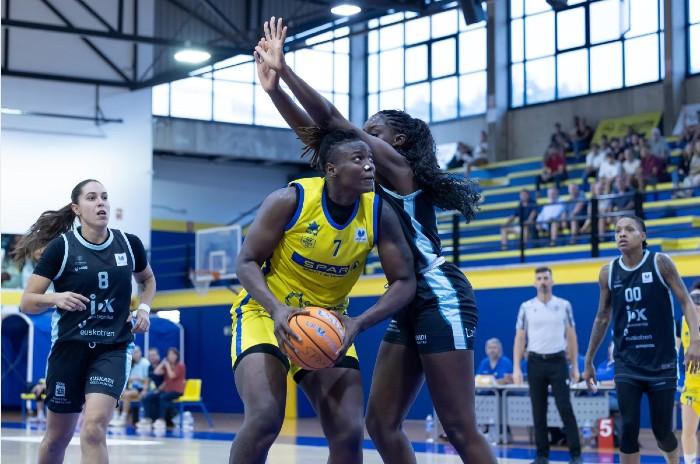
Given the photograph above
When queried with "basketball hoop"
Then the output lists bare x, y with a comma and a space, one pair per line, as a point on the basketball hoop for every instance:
202, 279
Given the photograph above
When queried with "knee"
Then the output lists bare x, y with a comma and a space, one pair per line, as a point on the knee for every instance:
56, 442
379, 424
265, 425
461, 430
347, 435
666, 440
93, 432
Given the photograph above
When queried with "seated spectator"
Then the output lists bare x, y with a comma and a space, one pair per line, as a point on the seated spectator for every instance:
11, 270
554, 169
39, 391
616, 148
630, 164
594, 158
581, 136
658, 145
692, 179
629, 139
683, 166
462, 151
157, 404
604, 206
495, 363
476, 157
651, 170
559, 138
608, 172
550, 216
575, 211
136, 385
525, 213
624, 201
154, 382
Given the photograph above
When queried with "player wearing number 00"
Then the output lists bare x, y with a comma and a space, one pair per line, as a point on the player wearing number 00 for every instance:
92, 328
636, 294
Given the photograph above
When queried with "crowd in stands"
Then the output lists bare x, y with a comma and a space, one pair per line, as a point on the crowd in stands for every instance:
615, 168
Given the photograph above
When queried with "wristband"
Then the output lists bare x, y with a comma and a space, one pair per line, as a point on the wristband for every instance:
142, 306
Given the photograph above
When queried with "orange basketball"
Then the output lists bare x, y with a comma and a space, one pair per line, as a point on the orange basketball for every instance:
321, 334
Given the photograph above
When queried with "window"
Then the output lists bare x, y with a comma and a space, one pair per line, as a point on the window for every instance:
433, 67
693, 36
229, 91
590, 46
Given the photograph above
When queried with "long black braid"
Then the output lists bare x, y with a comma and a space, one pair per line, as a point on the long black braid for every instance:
446, 191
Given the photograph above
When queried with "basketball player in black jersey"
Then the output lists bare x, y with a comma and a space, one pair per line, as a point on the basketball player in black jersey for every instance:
432, 339
635, 293
92, 329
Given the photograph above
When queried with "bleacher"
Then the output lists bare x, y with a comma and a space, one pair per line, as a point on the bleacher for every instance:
673, 224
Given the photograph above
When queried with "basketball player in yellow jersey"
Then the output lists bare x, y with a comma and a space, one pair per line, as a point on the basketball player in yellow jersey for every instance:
690, 398
307, 247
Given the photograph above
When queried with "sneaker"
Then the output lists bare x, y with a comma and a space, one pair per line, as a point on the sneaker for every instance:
576, 460
159, 424
119, 421
540, 460
144, 423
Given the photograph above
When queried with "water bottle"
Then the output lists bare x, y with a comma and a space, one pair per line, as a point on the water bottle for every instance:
587, 433
492, 434
429, 429
187, 422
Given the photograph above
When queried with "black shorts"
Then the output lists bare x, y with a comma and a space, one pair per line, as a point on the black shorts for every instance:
442, 316
77, 368
647, 385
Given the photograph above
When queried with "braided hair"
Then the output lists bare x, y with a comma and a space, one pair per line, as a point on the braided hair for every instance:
50, 225
445, 190
319, 143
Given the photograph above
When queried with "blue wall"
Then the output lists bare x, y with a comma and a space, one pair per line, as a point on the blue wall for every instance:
208, 347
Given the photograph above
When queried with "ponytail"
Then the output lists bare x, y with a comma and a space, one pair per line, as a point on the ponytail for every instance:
50, 225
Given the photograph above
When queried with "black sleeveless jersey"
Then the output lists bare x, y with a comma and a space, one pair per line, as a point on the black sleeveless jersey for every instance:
419, 223
103, 274
643, 323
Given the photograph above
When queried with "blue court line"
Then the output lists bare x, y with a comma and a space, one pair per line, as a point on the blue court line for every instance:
605, 457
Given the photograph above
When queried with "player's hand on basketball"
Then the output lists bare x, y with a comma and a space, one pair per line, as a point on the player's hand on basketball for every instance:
283, 333
275, 35
352, 327
69, 301
589, 378
269, 79
692, 357
142, 323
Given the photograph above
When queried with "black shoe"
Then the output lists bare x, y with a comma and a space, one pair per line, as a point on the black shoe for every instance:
576, 460
540, 460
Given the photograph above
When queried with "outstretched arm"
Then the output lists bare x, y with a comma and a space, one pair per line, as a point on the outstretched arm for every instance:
390, 164
600, 326
397, 263
670, 275
293, 115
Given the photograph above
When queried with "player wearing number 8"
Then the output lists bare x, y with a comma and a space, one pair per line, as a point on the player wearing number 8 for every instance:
635, 293
91, 267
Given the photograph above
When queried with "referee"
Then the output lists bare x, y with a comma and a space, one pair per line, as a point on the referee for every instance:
548, 324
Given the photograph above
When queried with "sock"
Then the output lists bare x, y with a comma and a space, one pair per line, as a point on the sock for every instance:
689, 458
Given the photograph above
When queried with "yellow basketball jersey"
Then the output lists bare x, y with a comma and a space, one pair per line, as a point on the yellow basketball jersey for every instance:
691, 380
318, 261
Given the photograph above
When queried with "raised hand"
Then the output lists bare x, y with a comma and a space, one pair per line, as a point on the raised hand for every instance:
273, 52
269, 78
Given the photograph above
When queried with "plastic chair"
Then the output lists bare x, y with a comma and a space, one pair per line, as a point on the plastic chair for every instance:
192, 397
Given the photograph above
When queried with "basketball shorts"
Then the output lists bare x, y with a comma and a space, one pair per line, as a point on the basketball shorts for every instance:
76, 368
691, 397
253, 332
442, 316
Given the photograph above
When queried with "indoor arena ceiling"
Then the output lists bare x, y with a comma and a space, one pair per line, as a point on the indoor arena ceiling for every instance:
130, 43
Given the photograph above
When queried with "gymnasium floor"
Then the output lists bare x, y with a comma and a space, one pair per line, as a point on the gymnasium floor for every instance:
299, 443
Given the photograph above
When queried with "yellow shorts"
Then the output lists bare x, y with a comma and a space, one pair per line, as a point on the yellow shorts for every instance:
253, 332
691, 397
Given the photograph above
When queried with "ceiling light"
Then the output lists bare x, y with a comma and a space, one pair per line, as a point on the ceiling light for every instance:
345, 9
192, 56
11, 111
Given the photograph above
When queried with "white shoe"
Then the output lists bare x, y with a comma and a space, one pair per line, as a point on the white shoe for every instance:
119, 421
144, 423
159, 424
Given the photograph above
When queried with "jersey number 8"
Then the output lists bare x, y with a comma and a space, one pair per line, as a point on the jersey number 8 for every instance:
103, 279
